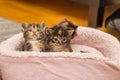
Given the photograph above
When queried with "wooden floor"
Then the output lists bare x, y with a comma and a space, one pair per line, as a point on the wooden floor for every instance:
50, 11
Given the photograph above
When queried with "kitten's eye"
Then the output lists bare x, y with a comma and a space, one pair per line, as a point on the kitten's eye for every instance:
30, 30
64, 39
54, 40
38, 30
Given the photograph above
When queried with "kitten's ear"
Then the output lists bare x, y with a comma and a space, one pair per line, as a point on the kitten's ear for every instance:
43, 26
24, 25
65, 19
70, 32
75, 27
49, 31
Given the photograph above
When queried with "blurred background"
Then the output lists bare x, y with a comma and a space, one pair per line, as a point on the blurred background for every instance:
52, 12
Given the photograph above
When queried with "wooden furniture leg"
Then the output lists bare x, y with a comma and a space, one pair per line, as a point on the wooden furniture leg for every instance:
95, 16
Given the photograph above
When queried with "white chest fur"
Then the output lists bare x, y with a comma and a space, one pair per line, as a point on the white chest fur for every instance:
34, 46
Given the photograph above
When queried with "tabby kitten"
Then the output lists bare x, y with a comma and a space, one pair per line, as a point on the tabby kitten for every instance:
69, 26
34, 35
58, 39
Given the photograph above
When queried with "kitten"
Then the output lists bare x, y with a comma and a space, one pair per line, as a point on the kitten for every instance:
58, 39
34, 35
70, 26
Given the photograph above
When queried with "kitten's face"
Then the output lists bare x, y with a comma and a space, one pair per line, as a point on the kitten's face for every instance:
68, 25
58, 39
33, 31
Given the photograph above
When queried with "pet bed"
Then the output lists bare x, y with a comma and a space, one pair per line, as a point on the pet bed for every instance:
96, 56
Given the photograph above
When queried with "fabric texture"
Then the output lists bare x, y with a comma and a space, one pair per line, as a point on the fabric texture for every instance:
8, 29
101, 61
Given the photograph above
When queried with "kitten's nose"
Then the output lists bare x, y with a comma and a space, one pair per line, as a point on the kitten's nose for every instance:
34, 33
59, 43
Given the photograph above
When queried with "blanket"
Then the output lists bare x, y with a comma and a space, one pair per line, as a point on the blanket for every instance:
95, 57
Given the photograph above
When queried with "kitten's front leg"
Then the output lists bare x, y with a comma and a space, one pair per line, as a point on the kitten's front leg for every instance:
47, 49
71, 50
41, 46
68, 49
27, 47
